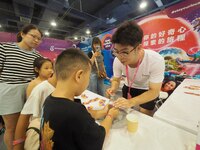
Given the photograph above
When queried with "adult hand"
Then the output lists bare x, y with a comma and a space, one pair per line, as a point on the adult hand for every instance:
122, 103
96, 54
110, 92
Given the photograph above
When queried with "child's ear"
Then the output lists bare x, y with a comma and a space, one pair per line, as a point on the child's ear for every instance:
36, 69
79, 75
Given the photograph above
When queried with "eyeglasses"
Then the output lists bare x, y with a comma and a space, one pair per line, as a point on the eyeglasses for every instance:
123, 53
35, 37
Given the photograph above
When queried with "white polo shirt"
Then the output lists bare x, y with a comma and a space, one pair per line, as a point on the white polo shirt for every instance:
151, 69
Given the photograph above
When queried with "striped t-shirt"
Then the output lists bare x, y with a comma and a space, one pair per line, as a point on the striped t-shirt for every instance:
16, 65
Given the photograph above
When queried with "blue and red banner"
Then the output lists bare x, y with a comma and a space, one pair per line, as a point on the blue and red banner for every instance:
175, 34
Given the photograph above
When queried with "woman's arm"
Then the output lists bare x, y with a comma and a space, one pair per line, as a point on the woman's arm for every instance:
93, 56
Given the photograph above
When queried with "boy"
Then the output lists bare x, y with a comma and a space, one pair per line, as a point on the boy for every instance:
66, 123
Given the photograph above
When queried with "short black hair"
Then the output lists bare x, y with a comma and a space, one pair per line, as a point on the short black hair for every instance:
38, 62
25, 30
129, 33
70, 60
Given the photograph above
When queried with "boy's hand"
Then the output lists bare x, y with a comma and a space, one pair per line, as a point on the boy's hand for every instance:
113, 112
98, 114
102, 113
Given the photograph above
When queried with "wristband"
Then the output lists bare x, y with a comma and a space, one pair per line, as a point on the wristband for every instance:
109, 115
18, 141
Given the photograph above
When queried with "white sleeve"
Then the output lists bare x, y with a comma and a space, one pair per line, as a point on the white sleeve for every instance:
32, 105
157, 71
117, 70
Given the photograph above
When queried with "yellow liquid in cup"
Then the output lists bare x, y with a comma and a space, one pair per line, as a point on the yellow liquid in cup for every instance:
132, 123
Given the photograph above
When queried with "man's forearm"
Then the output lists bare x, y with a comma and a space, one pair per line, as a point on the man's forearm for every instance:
145, 97
115, 84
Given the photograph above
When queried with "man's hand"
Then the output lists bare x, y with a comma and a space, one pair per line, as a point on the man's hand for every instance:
123, 103
110, 92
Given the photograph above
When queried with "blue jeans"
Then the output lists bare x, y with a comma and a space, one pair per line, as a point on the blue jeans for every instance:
96, 84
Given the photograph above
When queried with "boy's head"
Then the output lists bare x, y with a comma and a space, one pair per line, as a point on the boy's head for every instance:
72, 64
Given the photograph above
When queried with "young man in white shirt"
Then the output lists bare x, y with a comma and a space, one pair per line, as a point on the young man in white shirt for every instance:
144, 69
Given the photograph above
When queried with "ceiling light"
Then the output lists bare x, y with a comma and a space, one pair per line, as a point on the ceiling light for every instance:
0, 26
111, 20
143, 4
75, 38
87, 31
46, 33
53, 23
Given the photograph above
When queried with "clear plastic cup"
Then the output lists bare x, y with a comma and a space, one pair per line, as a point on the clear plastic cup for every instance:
132, 123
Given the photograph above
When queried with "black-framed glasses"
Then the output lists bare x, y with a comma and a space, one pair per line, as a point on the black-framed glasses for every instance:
123, 53
35, 37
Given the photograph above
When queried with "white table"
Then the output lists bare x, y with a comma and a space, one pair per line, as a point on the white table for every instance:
152, 134
181, 109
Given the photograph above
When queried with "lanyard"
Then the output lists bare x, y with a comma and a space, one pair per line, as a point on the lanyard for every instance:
131, 81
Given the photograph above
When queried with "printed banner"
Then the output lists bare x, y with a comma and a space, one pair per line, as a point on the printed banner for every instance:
175, 34
49, 47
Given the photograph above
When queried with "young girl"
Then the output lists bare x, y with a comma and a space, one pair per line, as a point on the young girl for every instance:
43, 69
16, 71
32, 110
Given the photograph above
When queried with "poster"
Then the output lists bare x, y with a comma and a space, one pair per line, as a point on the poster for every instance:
49, 47
175, 34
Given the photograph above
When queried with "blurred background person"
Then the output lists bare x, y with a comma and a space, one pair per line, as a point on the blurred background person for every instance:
98, 73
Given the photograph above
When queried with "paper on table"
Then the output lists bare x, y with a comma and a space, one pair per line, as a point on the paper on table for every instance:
93, 101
